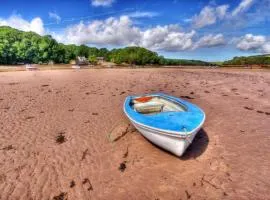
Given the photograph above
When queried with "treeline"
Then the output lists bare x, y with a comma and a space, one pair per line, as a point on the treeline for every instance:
133, 56
142, 56
184, 62
249, 60
28, 47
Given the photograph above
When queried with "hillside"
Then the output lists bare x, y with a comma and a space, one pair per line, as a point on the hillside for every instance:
28, 47
249, 60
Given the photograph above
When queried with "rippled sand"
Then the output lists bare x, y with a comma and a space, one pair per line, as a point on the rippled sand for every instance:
55, 140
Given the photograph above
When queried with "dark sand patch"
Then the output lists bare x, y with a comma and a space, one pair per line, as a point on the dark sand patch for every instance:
248, 108
61, 196
72, 184
29, 117
122, 167
87, 181
7, 148
187, 97
60, 138
13, 83
259, 111
84, 154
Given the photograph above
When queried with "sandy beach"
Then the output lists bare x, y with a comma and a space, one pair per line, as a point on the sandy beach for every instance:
56, 130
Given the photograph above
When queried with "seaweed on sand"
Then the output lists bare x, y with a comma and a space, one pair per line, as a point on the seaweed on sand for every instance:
60, 138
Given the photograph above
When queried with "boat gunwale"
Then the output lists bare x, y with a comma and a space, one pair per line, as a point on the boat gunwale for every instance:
165, 131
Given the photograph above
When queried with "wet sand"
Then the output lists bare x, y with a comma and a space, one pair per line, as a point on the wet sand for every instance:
57, 127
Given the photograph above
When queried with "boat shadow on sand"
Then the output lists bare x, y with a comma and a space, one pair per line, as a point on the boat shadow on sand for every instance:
197, 147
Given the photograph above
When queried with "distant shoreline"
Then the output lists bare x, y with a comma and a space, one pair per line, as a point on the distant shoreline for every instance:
13, 68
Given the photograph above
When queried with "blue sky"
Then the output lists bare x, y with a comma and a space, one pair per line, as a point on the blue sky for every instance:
212, 30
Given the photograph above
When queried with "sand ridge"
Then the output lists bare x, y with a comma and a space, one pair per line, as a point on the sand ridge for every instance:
55, 129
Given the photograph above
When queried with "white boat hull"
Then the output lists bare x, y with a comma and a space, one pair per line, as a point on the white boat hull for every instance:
171, 127
175, 145
76, 67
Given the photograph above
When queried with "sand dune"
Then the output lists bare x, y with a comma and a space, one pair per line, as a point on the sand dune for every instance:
56, 130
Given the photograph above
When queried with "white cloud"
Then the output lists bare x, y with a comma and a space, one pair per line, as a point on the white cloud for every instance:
221, 11
139, 14
55, 17
122, 32
111, 31
266, 48
168, 38
16, 21
242, 7
102, 2
209, 15
210, 41
206, 17
251, 42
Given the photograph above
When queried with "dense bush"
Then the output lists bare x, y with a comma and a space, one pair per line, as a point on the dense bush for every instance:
133, 56
92, 59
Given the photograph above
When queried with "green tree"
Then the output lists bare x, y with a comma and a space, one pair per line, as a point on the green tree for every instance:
92, 59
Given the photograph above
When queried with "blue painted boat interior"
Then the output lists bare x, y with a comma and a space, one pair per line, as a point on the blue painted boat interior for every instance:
185, 121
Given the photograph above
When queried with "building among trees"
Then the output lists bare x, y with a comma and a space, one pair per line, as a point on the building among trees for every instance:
81, 60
